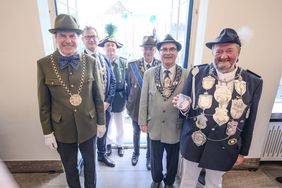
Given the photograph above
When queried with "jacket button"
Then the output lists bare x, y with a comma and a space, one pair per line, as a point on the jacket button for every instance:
163, 110
75, 110
163, 121
223, 147
213, 129
72, 85
70, 73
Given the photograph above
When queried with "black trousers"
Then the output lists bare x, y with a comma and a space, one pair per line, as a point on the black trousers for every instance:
172, 157
68, 154
101, 142
136, 140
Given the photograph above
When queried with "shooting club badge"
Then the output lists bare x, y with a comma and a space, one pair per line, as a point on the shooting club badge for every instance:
205, 101
220, 116
201, 121
237, 108
222, 94
199, 138
208, 82
231, 128
240, 86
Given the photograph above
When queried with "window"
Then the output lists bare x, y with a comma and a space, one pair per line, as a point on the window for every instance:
277, 107
133, 18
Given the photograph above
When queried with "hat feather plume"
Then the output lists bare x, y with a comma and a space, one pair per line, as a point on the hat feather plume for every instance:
110, 29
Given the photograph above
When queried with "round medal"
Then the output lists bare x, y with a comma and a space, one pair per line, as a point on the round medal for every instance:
75, 99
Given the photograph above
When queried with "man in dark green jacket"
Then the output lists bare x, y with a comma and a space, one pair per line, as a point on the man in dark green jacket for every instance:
70, 102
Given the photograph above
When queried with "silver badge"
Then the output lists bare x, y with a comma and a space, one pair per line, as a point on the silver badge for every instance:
201, 121
240, 86
208, 82
220, 116
222, 94
199, 138
205, 101
237, 108
231, 128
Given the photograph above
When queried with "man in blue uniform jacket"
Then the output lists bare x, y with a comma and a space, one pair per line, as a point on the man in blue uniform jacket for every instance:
90, 40
220, 114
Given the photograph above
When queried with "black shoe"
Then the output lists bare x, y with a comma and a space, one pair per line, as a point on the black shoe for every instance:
155, 184
107, 161
201, 178
109, 150
148, 164
134, 159
120, 151
279, 179
168, 186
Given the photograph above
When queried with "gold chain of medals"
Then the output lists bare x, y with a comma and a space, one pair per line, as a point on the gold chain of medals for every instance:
223, 96
75, 99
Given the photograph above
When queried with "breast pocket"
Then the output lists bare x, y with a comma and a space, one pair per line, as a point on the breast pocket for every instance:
52, 82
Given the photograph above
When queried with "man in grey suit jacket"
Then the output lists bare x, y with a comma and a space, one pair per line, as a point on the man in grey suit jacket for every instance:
70, 102
157, 116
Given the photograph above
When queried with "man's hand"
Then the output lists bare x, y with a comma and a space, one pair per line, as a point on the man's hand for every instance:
239, 160
106, 105
101, 130
144, 128
50, 141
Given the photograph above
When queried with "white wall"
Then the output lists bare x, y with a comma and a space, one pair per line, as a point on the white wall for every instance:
261, 53
21, 137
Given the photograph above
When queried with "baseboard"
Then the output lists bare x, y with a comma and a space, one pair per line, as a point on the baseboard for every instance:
248, 164
34, 166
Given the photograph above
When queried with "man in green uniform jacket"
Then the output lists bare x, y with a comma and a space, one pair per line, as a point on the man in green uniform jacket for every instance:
70, 103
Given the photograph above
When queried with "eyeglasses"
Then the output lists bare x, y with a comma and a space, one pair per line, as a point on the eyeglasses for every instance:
89, 37
171, 50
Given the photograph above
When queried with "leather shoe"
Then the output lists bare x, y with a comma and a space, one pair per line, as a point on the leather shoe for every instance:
120, 151
107, 161
279, 179
155, 184
168, 186
201, 178
134, 159
148, 164
109, 150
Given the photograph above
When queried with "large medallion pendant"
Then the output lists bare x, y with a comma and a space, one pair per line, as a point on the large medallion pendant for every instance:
199, 138
220, 116
75, 99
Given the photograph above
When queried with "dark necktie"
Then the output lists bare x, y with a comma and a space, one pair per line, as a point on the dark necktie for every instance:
148, 66
167, 80
65, 61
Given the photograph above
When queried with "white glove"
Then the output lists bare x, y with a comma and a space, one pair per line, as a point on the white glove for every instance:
50, 141
101, 129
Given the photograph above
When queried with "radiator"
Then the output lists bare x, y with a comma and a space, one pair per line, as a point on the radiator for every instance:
273, 144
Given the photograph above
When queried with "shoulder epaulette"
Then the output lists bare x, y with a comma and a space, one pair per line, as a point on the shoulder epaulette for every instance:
253, 73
